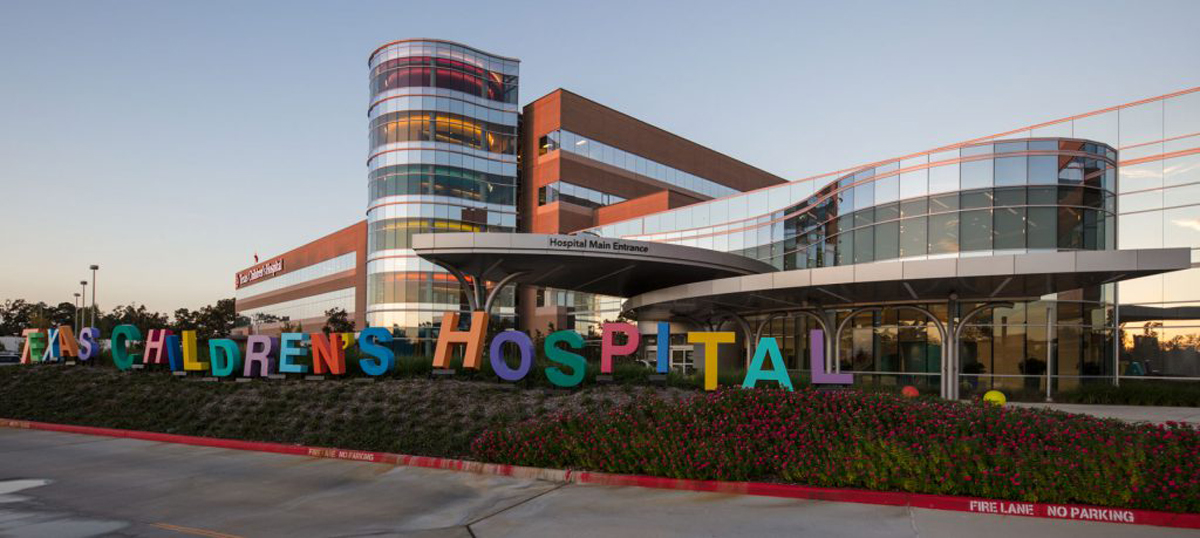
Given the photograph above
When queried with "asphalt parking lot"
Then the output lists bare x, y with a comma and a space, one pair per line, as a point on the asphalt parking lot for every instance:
71, 485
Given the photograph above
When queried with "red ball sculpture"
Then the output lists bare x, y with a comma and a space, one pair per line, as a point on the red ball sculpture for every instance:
910, 391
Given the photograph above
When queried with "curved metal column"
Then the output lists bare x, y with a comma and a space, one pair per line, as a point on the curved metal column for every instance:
945, 345
468, 288
759, 330
495, 292
747, 333
820, 319
837, 335
957, 337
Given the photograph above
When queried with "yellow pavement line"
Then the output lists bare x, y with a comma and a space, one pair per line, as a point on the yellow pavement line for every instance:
195, 531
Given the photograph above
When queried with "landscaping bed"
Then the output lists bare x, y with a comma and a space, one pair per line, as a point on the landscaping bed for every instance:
419, 416
842, 438
853, 439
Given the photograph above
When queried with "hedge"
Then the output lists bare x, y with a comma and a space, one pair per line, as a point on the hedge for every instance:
876, 441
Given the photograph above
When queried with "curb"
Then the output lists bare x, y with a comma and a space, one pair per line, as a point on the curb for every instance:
976, 505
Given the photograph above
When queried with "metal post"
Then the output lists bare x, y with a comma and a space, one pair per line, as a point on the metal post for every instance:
78, 312
83, 290
949, 369
94, 268
1116, 321
1050, 311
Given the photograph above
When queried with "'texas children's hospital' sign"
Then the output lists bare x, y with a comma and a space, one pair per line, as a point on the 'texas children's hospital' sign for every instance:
265, 270
268, 355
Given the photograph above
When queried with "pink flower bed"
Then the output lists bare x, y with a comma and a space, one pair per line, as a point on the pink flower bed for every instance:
871, 441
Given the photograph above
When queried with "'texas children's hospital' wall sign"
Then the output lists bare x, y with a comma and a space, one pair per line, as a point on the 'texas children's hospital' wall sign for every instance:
325, 354
266, 270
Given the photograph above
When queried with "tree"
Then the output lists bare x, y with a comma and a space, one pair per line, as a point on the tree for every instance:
337, 320
185, 320
133, 314
14, 316
63, 314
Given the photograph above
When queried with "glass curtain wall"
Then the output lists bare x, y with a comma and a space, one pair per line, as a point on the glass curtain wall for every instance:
442, 125
995, 198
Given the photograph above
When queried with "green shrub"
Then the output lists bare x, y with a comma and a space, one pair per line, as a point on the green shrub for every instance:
1135, 392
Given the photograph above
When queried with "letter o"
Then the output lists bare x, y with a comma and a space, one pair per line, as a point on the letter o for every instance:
496, 353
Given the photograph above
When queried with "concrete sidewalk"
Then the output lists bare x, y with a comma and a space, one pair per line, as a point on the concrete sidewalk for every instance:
1128, 413
71, 485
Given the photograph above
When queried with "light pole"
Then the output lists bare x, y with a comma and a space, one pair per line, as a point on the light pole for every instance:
78, 312
94, 268
83, 288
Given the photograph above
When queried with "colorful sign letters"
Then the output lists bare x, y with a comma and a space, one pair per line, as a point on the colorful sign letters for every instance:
285, 354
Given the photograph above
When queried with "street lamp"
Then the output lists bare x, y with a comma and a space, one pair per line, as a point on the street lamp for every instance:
83, 288
78, 312
94, 268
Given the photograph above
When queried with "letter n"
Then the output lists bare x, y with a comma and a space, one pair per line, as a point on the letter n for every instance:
327, 352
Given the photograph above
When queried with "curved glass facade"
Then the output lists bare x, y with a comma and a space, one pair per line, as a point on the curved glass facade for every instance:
1015, 196
442, 124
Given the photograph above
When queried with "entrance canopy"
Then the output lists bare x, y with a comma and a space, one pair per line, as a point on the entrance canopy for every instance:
586, 263
985, 278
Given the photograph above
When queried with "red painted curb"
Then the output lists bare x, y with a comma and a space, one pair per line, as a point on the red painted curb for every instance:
888, 498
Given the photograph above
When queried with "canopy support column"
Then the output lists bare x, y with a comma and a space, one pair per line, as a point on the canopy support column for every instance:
956, 337
837, 335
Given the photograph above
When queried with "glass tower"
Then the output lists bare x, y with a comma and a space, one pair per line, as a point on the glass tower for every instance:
442, 131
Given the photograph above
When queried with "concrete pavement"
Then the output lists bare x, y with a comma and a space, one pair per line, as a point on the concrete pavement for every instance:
71, 485
1128, 413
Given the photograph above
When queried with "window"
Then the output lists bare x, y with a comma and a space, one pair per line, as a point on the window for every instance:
977, 174
864, 245
913, 237
912, 208
976, 230
1009, 228
1012, 171
943, 178
1042, 231
1043, 170
943, 233
887, 241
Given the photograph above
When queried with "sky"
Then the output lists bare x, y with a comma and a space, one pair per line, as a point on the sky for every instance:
168, 142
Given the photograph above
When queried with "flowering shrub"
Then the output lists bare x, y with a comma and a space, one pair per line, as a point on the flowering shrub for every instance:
870, 440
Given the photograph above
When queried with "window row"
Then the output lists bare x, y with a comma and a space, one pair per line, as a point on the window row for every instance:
428, 72
313, 306
455, 182
599, 151
1017, 228
397, 233
575, 194
344, 262
997, 150
837, 198
426, 288
823, 213
445, 49
426, 126
987, 173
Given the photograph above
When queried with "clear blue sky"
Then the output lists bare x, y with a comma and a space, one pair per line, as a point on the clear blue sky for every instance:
170, 141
